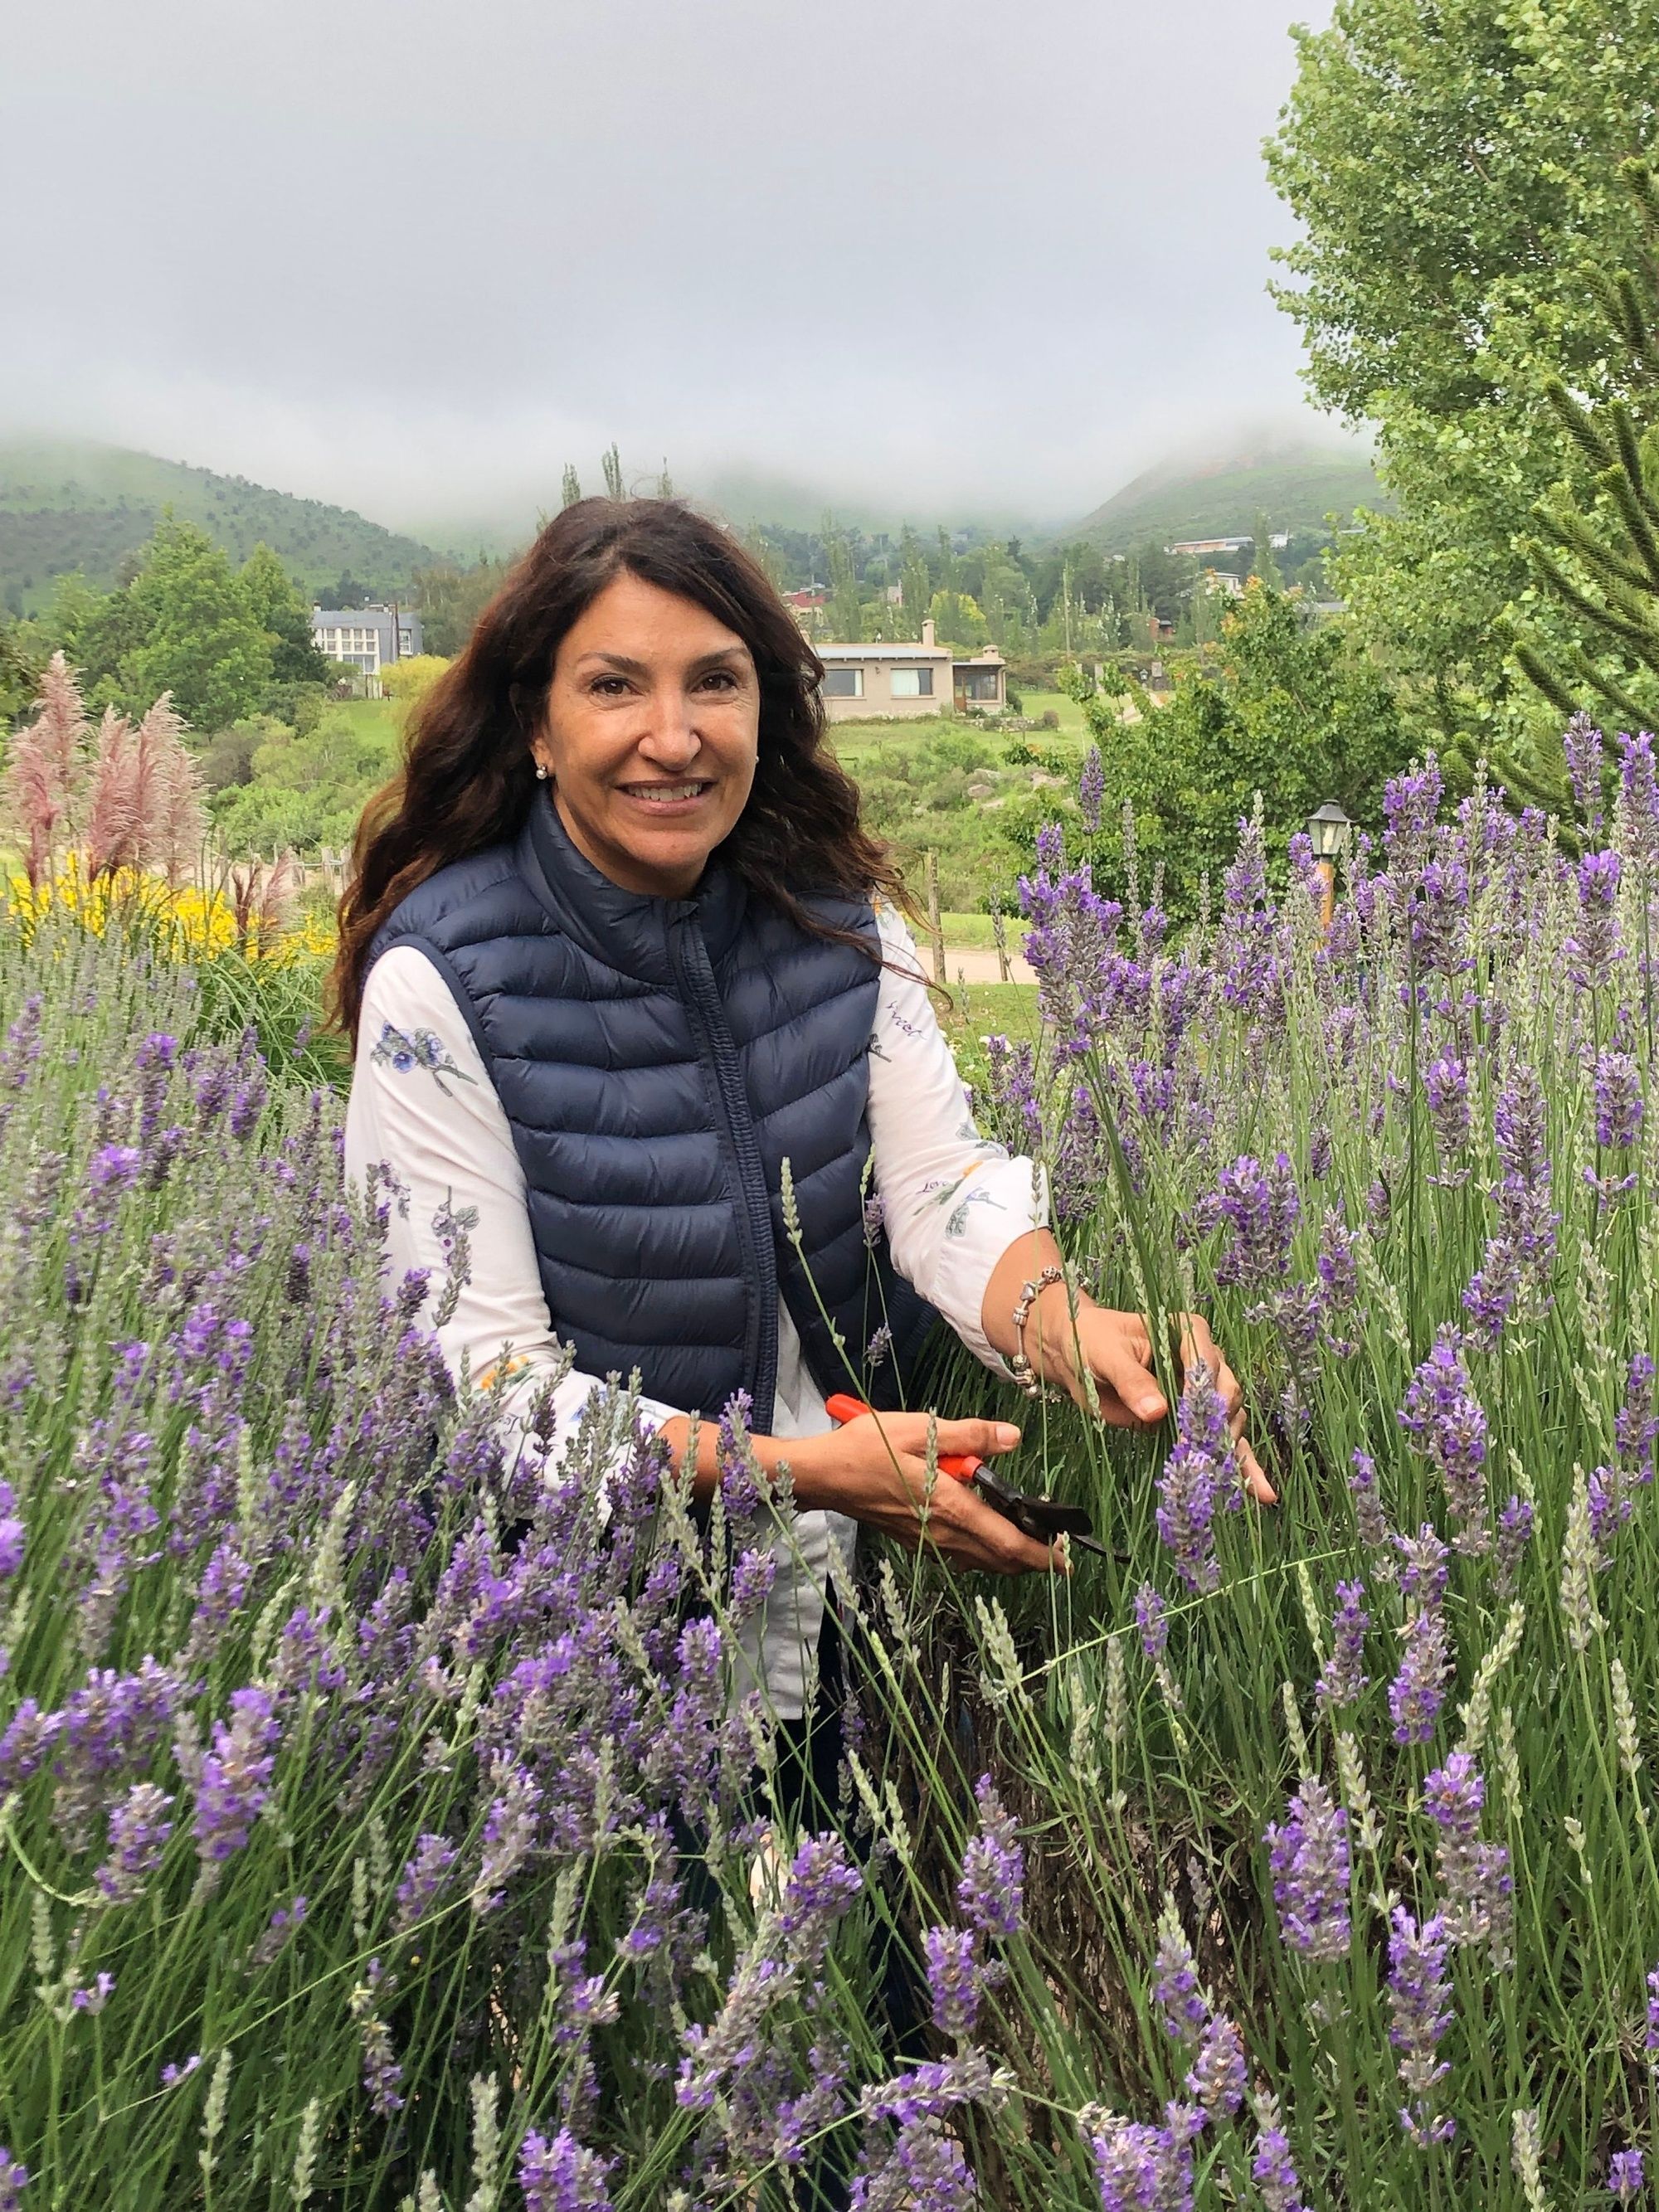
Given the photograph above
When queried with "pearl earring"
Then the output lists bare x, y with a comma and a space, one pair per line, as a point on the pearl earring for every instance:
541, 772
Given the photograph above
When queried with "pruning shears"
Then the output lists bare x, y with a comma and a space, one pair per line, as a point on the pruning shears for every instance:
1042, 1519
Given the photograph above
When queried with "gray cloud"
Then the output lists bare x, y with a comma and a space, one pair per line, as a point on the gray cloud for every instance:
414, 258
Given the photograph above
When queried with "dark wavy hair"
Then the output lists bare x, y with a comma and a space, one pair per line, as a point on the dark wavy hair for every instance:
468, 778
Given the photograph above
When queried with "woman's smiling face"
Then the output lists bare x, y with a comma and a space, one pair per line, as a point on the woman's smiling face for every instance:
651, 735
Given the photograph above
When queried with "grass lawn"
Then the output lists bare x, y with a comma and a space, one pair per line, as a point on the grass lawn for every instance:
380, 719
981, 1009
1036, 704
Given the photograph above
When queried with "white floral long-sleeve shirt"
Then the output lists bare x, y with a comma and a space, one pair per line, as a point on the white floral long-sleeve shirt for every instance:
423, 1104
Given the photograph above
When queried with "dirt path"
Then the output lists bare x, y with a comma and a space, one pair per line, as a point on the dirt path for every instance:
975, 964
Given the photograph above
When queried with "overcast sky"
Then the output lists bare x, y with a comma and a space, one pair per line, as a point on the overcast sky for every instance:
947, 253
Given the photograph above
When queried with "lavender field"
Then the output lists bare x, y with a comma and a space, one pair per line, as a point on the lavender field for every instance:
380, 1819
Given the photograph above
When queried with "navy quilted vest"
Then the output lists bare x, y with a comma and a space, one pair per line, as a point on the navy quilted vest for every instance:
658, 1060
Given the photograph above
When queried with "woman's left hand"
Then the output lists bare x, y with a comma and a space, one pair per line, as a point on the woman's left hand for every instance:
1117, 1351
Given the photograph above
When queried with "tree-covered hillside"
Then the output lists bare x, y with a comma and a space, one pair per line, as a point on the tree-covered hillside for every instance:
66, 506
1295, 486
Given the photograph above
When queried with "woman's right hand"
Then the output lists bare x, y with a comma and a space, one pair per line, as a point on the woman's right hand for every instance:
875, 1470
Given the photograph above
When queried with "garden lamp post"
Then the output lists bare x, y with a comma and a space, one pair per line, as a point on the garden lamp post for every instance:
1328, 827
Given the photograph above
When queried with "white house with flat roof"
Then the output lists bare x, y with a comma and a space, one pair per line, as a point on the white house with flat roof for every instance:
366, 637
903, 680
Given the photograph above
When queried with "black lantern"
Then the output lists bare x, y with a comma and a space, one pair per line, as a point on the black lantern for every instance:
1326, 828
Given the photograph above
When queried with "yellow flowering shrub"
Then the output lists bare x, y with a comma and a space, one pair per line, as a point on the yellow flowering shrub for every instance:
183, 921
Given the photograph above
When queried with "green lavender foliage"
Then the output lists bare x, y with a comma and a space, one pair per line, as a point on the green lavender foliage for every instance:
1144, 1768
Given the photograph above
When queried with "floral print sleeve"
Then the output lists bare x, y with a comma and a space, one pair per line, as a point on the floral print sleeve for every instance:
953, 1201
403, 1050
425, 1122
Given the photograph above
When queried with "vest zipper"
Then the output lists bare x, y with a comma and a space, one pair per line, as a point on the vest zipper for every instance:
690, 956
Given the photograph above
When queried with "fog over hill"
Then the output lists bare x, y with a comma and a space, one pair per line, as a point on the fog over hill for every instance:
67, 505
1296, 483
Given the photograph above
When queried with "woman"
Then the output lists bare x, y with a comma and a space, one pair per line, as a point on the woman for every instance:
628, 984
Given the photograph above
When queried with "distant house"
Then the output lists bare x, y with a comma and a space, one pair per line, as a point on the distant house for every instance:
1199, 546
906, 680
367, 638
809, 601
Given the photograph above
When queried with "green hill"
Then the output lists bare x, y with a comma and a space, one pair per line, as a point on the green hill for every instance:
87, 506
1295, 485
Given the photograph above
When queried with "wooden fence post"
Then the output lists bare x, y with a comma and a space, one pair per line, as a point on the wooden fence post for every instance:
935, 929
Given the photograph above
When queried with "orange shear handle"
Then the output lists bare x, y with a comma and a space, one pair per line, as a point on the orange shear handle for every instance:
962, 1465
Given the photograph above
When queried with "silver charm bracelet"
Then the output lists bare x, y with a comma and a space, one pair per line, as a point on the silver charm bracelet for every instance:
1020, 1366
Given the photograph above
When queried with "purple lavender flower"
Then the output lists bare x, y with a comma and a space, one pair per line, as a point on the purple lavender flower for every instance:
1637, 1427
561, 2176
1514, 1534
1374, 1530
1196, 1472
1583, 745
1344, 1678
1410, 804
1594, 950
1610, 1509
1309, 1856
1091, 789
1319, 1153
509, 1833
423, 1880
14, 2180
1261, 1206
233, 1786
1152, 1621
1625, 2175
819, 1892
1144, 2169
1182, 2004
1218, 2078
955, 1981
1419, 2003
1448, 1423
992, 1889
11, 1533
93, 2000
1446, 1086
1419, 1690
1524, 1196
138, 1836
1638, 824
1490, 1297
114, 1168
924, 2168
1620, 1104
1274, 2173
1425, 1575
1651, 2041
1474, 1876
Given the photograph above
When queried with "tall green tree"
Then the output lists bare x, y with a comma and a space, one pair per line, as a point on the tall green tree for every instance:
201, 639
846, 606
1292, 713
1454, 167
914, 577
611, 462
284, 612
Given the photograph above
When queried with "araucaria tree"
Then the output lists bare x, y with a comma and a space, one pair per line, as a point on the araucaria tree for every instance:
1598, 557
